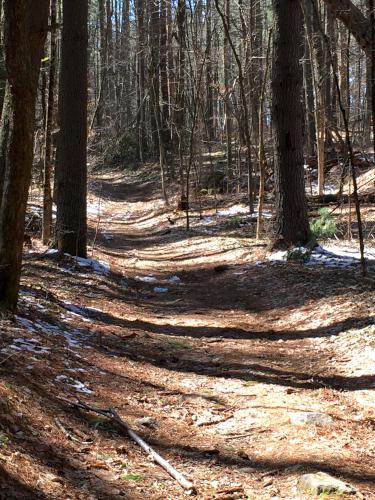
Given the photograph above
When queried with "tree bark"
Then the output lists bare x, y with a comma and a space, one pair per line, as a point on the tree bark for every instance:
291, 224
25, 31
47, 191
72, 142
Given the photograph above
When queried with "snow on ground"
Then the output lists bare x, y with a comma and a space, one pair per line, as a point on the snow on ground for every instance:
93, 208
234, 210
242, 210
329, 256
75, 384
328, 188
147, 279
119, 217
26, 323
98, 266
31, 345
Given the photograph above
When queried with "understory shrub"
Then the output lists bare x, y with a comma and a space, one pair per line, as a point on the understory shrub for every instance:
323, 226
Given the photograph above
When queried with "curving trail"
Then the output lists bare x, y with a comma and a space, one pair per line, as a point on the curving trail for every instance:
240, 350
227, 352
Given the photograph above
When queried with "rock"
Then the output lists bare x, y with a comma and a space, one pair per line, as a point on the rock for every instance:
147, 422
322, 483
310, 418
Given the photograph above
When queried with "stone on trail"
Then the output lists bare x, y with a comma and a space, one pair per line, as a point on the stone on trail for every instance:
147, 422
322, 483
309, 418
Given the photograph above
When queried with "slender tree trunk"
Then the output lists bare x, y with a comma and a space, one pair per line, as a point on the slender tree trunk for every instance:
25, 31
261, 154
180, 87
140, 79
72, 143
48, 152
291, 224
309, 103
164, 76
102, 64
315, 43
227, 96
209, 82
372, 66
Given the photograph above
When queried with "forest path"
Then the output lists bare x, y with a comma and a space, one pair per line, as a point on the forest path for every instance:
241, 351
253, 372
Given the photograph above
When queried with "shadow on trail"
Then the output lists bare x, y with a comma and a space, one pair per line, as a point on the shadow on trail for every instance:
62, 460
11, 487
202, 332
284, 467
188, 360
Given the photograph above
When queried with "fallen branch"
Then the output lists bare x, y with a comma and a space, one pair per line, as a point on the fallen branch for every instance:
8, 357
337, 198
111, 414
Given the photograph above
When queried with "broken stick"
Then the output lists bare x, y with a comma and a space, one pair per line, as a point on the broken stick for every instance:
114, 416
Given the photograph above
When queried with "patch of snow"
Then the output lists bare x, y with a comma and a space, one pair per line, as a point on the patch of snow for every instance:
147, 279
98, 266
174, 279
30, 345
26, 323
71, 340
279, 256
75, 384
77, 311
328, 188
234, 210
328, 256
159, 289
93, 208
108, 236
119, 217
94, 309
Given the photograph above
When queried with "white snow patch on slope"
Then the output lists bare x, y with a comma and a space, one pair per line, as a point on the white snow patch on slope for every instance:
98, 266
329, 256
75, 384
30, 345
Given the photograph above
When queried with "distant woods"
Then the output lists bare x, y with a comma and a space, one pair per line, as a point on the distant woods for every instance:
227, 96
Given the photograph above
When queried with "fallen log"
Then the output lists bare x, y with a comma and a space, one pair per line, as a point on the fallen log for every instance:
339, 198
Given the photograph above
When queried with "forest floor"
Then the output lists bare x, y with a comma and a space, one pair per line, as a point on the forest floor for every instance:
252, 372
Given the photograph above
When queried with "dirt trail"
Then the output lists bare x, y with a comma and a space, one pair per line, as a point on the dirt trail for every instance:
224, 350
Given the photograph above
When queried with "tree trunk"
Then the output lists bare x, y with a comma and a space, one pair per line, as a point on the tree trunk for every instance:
291, 225
228, 91
72, 143
166, 136
47, 192
25, 31
209, 82
140, 79
4, 135
354, 20
315, 42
